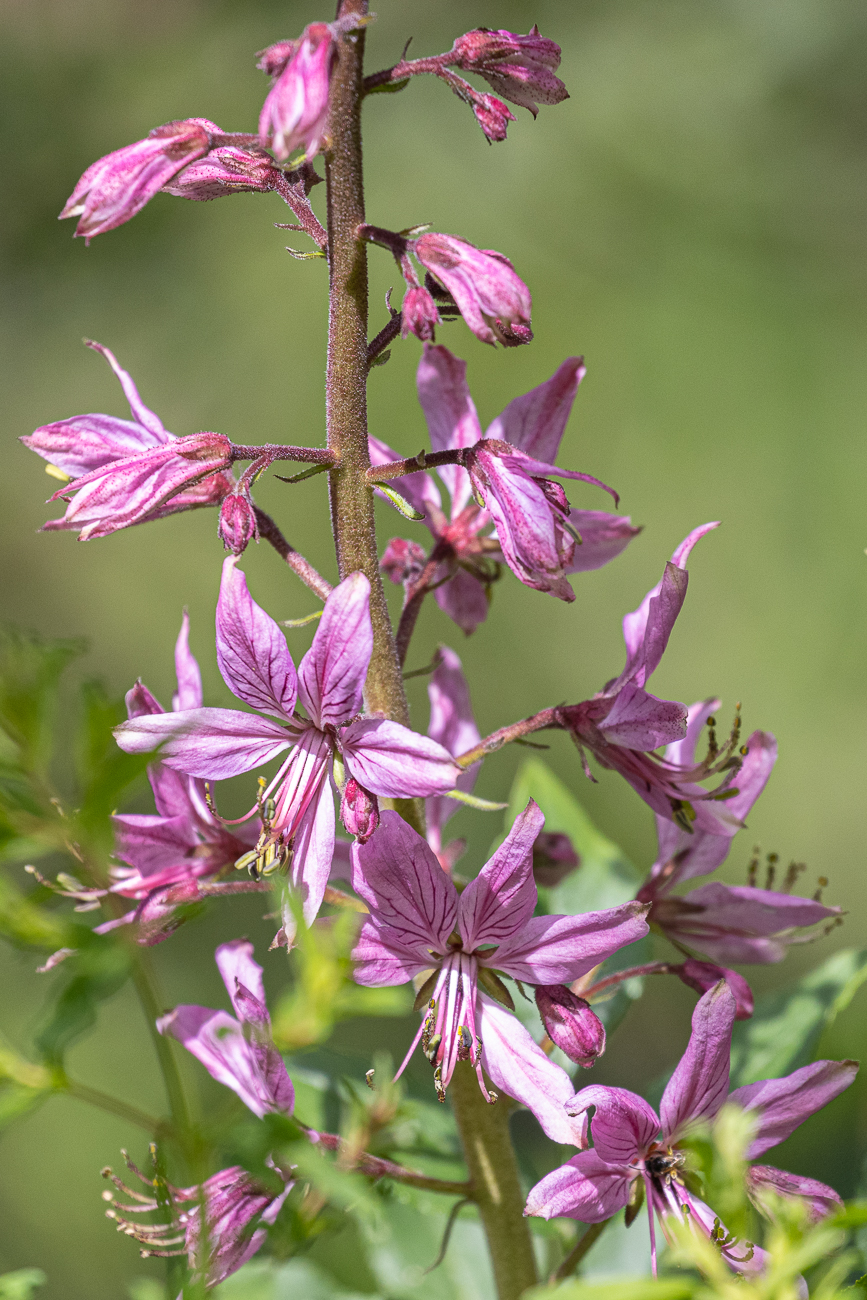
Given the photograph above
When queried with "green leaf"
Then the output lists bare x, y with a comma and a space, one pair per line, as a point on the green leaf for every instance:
605, 877
400, 503
21, 1284
30, 671
98, 972
787, 1025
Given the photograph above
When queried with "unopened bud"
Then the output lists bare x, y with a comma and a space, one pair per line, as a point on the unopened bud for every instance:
553, 858
237, 523
419, 315
703, 975
571, 1024
359, 810
492, 116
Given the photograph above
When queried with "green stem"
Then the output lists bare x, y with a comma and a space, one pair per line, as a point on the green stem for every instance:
496, 1186
145, 987
114, 1106
575, 1256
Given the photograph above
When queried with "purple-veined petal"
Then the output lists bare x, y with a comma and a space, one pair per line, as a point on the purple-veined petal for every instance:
84, 443
332, 673
217, 1040
559, 949
623, 1126
143, 414
499, 902
451, 725
535, 421
515, 1063
700, 1081
211, 743
390, 760
450, 412
251, 650
402, 883
603, 537
821, 1200
785, 1103
585, 1188
682, 752
638, 720
151, 843
756, 911
384, 956
189, 692
314, 850
464, 599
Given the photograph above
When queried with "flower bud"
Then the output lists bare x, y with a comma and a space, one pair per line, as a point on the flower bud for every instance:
227, 170
492, 116
703, 975
553, 858
491, 298
419, 315
359, 810
520, 68
571, 1024
402, 560
237, 524
295, 112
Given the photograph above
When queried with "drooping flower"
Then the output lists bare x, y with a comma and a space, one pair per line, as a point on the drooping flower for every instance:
536, 537
297, 807
461, 944
127, 472
729, 924
295, 112
240, 1054
520, 68
632, 1142
489, 294
623, 724
116, 187
230, 169
571, 1023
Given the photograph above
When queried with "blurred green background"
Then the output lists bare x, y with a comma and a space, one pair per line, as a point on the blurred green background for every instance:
692, 220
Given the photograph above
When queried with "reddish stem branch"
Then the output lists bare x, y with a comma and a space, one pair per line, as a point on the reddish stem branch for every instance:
650, 968
385, 336
293, 192
548, 718
297, 563
415, 595
375, 1167
413, 464
270, 451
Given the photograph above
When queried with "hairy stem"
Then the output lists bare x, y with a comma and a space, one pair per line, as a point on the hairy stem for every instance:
352, 507
297, 563
515, 731
575, 1256
496, 1187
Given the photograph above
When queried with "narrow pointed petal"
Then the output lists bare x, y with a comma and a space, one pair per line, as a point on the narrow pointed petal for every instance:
451, 725
700, 1082
217, 1040
333, 672
500, 901
535, 421
783, 1104
464, 599
585, 1188
242, 977
559, 949
314, 850
738, 924
211, 743
236, 966
251, 650
516, 1064
145, 416
450, 413
151, 843
392, 761
821, 1200
405, 887
603, 537
623, 1126
189, 692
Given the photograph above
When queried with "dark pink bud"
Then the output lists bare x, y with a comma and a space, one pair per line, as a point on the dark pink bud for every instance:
116, 187
295, 112
492, 116
419, 315
237, 522
703, 975
359, 810
553, 858
228, 170
520, 68
490, 296
571, 1024
402, 560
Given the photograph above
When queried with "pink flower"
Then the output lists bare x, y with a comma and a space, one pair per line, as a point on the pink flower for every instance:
238, 526
730, 924
116, 187
520, 68
463, 943
229, 169
453, 726
632, 1142
295, 112
535, 526
492, 116
488, 293
419, 315
127, 472
623, 724
571, 1023
297, 807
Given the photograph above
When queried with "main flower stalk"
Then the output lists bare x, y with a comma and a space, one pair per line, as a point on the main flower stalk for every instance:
487, 1146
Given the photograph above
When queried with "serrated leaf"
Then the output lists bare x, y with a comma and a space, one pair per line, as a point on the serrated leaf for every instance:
786, 1025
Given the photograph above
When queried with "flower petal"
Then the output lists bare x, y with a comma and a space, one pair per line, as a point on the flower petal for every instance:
700, 1081
821, 1200
189, 692
212, 743
785, 1103
217, 1040
500, 901
314, 850
464, 599
603, 537
332, 673
392, 761
405, 887
586, 1188
451, 725
251, 650
559, 949
450, 412
638, 720
236, 966
535, 421
624, 1124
